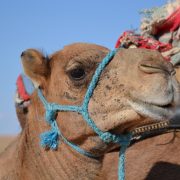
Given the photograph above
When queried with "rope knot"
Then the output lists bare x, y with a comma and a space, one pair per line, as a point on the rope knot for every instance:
106, 137
50, 113
123, 140
49, 139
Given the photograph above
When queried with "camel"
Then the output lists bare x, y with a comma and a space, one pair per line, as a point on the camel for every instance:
116, 106
150, 153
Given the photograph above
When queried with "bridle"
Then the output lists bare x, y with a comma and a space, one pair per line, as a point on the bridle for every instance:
154, 129
51, 138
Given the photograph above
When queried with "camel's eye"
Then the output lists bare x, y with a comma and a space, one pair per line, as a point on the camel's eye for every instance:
77, 73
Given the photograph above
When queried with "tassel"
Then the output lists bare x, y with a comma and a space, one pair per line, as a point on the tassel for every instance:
49, 139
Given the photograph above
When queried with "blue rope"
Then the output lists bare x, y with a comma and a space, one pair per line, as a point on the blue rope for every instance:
121, 166
50, 139
96, 77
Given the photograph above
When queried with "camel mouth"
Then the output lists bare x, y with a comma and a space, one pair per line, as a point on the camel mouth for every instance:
153, 111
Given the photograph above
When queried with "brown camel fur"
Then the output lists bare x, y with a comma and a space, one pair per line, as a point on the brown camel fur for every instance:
137, 87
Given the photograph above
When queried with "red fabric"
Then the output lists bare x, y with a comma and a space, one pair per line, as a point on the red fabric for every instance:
118, 43
21, 89
148, 43
170, 24
128, 38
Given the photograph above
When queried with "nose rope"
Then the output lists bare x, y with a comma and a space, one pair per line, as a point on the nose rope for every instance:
50, 139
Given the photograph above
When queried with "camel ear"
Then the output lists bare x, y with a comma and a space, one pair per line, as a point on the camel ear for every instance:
36, 66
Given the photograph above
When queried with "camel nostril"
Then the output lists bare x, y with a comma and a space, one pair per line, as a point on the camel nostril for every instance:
156, 66
150, 69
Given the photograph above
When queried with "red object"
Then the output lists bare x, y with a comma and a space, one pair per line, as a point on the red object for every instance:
170, 24
118, 43
130, 38
21, 89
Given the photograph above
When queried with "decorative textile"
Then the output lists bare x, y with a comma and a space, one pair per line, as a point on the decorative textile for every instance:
24, 87
163, 24
170, 24
131, 40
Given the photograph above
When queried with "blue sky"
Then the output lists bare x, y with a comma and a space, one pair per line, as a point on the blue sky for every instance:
49, 25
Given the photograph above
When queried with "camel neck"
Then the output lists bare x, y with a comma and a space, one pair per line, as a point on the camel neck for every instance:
63, 163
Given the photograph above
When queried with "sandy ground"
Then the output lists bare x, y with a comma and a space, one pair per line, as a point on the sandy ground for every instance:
4, 141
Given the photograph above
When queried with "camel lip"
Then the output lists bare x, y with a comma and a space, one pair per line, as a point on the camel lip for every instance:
153, 111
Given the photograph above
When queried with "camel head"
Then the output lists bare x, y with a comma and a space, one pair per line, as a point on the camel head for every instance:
137, 87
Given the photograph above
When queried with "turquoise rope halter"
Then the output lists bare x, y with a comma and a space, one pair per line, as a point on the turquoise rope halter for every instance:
50, 138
